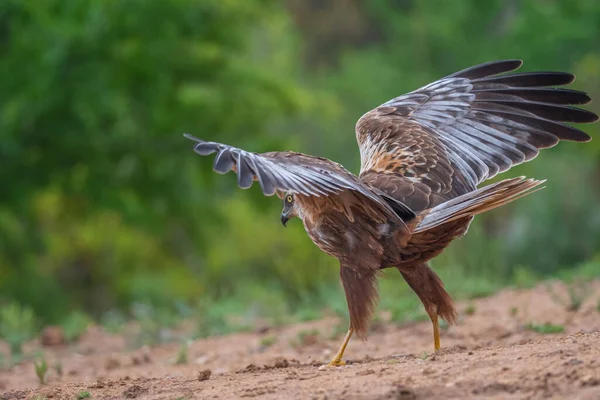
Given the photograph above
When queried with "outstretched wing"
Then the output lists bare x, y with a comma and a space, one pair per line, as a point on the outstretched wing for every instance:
299, 173
445, 138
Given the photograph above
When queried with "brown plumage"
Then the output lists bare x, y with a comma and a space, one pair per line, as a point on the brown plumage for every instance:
423, 155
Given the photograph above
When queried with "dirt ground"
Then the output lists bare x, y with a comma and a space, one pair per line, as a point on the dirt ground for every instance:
489, 354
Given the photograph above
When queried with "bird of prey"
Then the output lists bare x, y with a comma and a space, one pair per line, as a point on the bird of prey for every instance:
423, 155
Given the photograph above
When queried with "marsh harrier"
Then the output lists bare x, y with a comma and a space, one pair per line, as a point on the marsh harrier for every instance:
423, 154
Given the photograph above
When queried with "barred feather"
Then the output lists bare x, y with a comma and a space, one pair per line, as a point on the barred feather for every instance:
478, 122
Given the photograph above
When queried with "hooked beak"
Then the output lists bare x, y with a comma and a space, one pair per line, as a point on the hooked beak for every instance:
284, 219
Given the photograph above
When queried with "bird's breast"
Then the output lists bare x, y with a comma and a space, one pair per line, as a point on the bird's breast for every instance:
339, 237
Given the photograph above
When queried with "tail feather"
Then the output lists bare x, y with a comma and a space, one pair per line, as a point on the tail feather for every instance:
478, 201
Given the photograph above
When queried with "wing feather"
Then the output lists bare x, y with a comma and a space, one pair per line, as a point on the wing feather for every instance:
300, 173
456, 132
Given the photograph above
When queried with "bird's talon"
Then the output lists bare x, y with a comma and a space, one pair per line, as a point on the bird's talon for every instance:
336, 363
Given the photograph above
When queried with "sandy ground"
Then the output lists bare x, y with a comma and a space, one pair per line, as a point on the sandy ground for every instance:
488, 355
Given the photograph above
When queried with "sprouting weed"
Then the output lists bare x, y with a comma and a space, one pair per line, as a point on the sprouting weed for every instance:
182, 354
41, 368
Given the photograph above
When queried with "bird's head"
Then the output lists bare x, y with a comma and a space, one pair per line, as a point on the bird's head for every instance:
289, 208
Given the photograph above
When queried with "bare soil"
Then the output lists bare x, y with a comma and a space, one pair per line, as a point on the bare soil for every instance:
490, 354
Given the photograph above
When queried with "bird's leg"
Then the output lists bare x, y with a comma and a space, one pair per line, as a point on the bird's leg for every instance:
433, 315
337, 360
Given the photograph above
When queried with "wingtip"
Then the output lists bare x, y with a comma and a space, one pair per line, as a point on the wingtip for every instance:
192, 137
517, 62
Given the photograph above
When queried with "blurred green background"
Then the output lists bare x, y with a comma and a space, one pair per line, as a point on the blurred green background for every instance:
107, 214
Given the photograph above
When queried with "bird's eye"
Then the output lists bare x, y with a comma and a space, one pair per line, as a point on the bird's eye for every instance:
288, 199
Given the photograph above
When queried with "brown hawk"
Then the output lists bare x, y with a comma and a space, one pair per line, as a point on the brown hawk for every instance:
422, 156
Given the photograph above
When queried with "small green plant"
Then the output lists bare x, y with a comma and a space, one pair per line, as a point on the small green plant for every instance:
470, 310
39, 397
514, 311
268, 341
75, 325
598, 305
424, 355
84, 394
577, 292
41, 368
17, 326
182, 354
545, 328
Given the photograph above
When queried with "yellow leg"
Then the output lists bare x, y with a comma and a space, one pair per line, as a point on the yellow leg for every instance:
337, 360
436, 331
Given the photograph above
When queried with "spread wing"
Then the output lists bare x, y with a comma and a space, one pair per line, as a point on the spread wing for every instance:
445, 138
302, 174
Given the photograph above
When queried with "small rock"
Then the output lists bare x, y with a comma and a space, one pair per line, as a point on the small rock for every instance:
134, 391
281, 363
250, 368
589, 380
98, 385
204, 375
53, 336
402, 392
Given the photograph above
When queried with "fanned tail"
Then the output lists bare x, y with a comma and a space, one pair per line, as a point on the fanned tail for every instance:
478, 201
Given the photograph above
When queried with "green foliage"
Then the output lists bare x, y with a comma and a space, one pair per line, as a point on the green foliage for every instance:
84, 394
92, 117
41, 368
544, 328
104, 207
75, 325
17, 326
